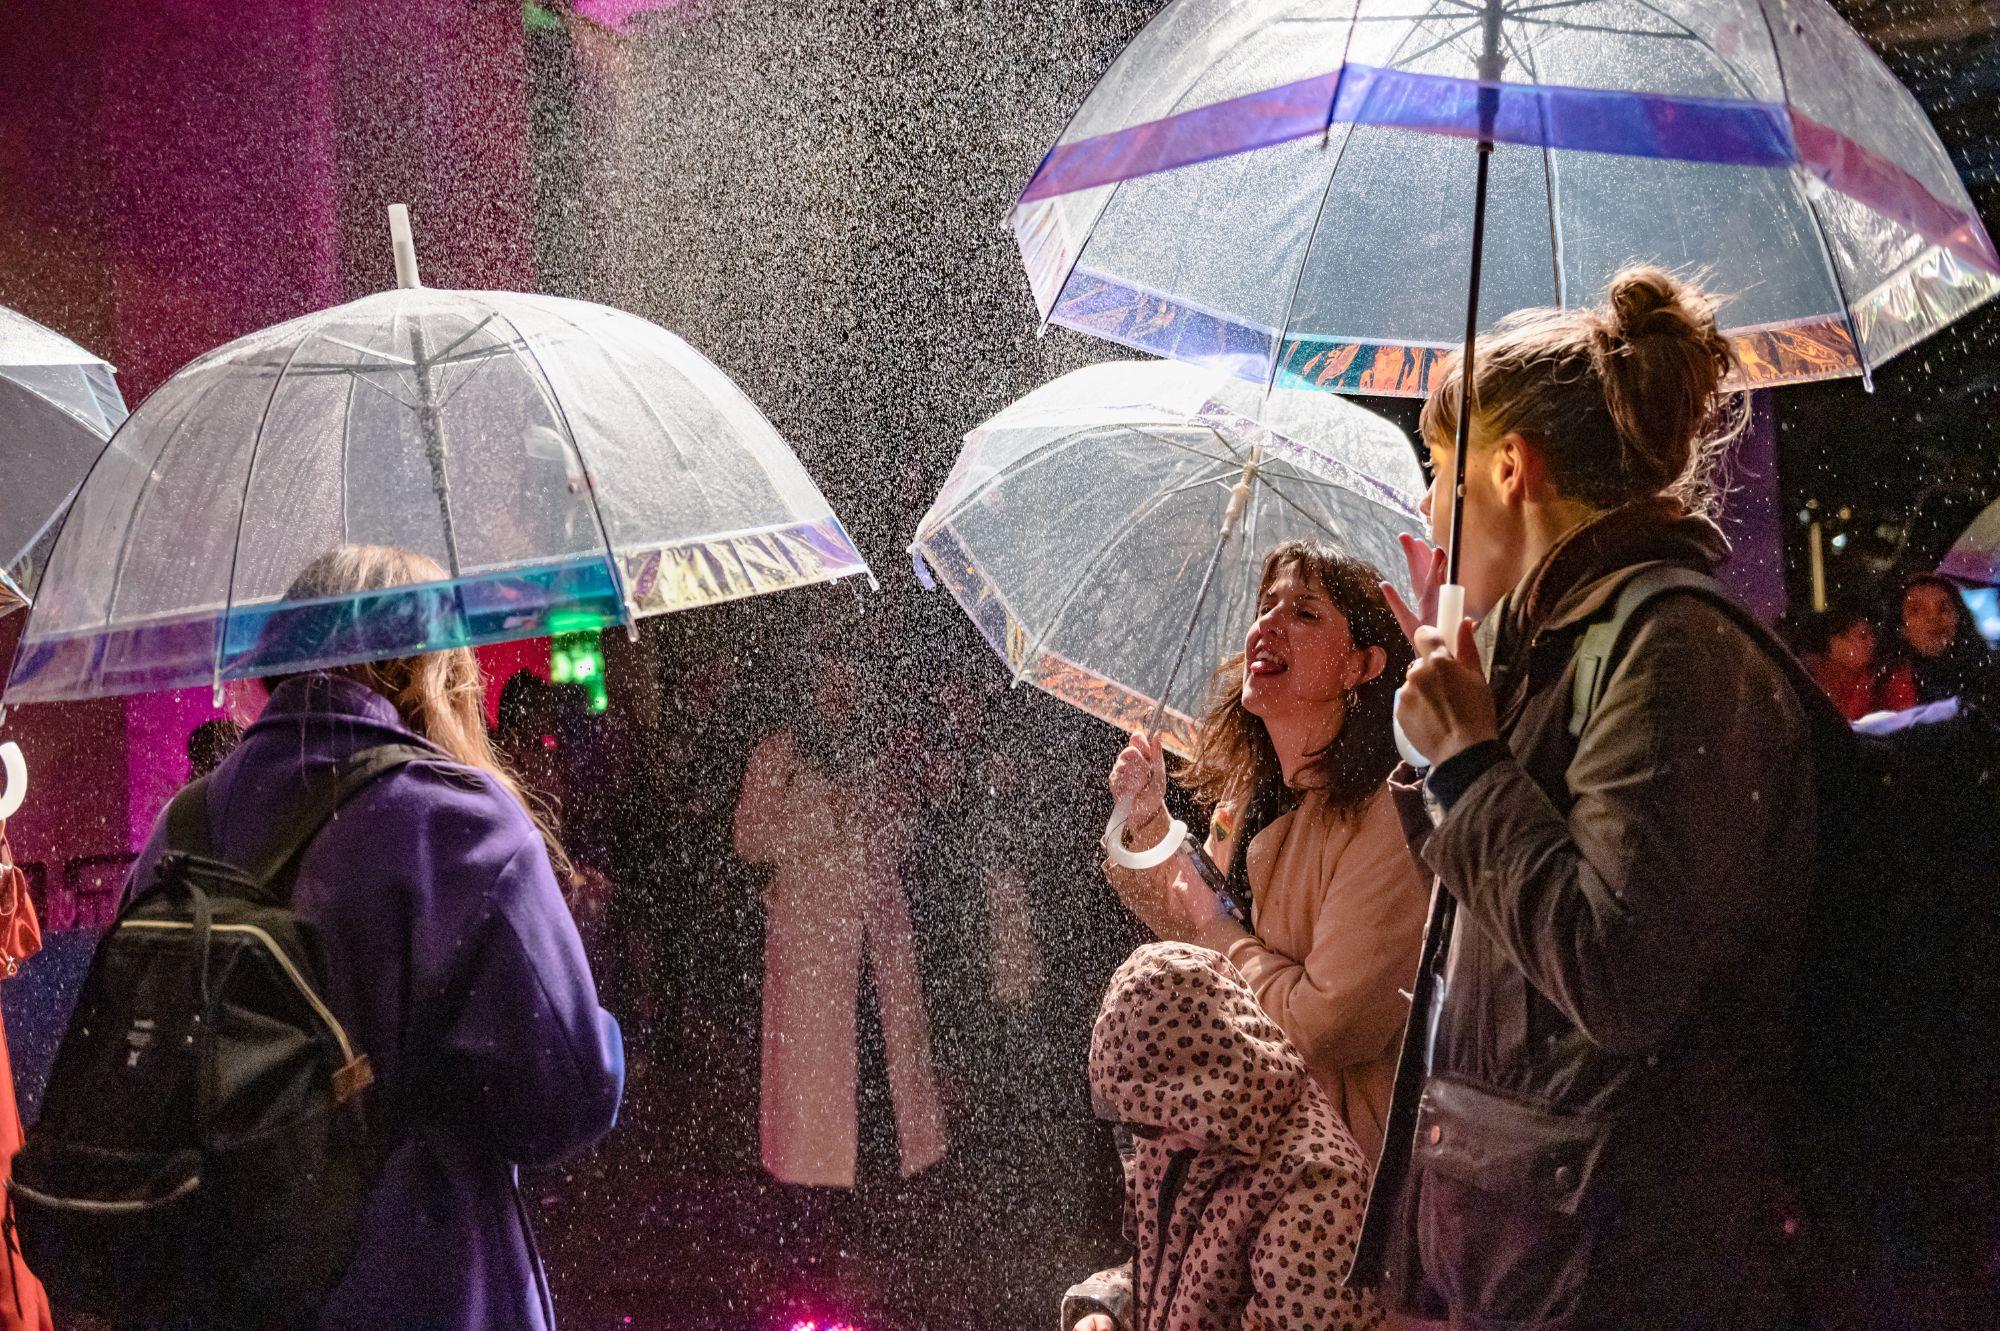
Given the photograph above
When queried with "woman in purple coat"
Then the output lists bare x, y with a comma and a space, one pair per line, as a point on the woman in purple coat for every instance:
452, 958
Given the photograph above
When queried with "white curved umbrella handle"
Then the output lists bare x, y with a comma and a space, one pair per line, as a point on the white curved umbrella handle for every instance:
1451, 609
1114, 840
14, 787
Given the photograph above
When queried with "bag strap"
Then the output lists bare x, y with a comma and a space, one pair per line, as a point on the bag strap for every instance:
1604, 641
317, 807
187, 821
1597, 654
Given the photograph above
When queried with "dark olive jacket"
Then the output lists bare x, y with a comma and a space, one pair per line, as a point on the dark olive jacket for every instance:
1590, 1143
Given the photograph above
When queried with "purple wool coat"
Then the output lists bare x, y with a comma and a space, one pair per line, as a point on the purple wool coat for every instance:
455, 965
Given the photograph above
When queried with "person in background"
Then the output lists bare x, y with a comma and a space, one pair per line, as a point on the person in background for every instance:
1242, 1189
1939, 654
1590, 1134
525, 734
209, 743
451, 959
1838, 649
1294, 752
821, 805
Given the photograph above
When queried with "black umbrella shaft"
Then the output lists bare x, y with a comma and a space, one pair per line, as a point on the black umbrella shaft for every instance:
1489, 112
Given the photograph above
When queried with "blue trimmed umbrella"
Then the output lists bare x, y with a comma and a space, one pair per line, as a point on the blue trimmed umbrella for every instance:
566, 465
58, 404
1112, 525
1290, 191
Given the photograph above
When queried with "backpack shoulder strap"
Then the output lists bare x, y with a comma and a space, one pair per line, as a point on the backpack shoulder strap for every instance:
1597, 652
187, 821
320, 802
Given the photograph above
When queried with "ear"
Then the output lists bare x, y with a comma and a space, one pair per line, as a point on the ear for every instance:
1373, 662
1520, 474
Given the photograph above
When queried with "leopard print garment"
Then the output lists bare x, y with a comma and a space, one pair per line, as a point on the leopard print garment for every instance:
1260, 1224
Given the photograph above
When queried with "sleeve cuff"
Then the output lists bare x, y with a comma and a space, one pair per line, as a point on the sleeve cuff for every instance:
1455, 775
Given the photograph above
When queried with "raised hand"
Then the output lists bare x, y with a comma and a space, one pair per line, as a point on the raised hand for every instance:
1141, 773
1445, 705
1426, 563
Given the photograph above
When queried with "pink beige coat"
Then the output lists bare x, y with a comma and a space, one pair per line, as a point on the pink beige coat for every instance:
1243, 1193
1339, 912
835, 895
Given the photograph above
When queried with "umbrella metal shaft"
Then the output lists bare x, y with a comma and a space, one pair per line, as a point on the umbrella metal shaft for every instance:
1239, 496
433, 428
1490, 68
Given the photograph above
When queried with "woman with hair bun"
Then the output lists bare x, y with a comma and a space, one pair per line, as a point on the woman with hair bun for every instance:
1587, 1133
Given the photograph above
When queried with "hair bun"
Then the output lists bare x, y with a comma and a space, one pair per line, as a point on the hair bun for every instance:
1651, 302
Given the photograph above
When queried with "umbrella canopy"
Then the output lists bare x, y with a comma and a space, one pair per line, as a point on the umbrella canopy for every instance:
566, 464
1286, 190
58, 404
1077, 525
1975, 555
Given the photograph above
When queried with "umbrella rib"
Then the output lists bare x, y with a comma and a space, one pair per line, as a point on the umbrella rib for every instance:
1090, 232
366, 376
375, 352
138, 502
1525, 54
1061, 444
243, 504
1742, 83
1097, 557
1299, 509
661, 425
1403, 62
1312, 233
1298, 282
1812, 210
347, 414
445, 355
1567, 26
547, 390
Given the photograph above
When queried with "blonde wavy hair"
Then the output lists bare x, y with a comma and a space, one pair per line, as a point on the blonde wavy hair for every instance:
439, 695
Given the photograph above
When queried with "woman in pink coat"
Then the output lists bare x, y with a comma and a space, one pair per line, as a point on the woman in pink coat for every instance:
822, 807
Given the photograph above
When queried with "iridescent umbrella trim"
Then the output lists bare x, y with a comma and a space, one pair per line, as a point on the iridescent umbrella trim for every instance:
493, 606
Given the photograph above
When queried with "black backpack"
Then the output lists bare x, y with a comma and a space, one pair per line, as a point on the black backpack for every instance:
1890, 1140
202, 1155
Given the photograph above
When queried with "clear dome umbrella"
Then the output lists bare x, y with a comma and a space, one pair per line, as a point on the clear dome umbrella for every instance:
1288, 189
1975, 556
58, 404
566, 466
1106, 533
1332, 194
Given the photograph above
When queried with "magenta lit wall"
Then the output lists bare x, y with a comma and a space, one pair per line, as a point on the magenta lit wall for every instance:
177, 173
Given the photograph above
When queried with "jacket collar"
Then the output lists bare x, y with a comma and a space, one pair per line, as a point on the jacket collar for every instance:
1582, 570
1577, 577
324, 697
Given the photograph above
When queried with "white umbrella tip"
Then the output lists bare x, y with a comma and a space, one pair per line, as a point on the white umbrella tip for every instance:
405, 245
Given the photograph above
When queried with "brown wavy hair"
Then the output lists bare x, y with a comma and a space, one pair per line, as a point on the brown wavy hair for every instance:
1625, 401
439, 695
1234, 759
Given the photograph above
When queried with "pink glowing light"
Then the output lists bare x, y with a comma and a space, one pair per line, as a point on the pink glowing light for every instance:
618, 16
